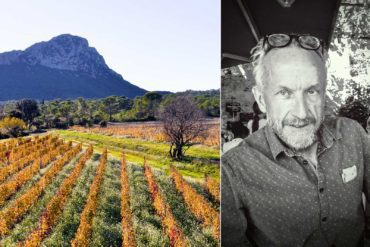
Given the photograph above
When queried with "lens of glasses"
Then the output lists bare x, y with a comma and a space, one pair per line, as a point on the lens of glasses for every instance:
309, 42
278, 40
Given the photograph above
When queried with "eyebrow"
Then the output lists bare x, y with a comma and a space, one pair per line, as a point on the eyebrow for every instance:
315, 85
283, 87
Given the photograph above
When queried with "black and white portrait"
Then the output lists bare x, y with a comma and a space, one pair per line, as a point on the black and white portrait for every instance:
295, 123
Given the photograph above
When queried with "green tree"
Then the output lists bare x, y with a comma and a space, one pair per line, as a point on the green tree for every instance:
113, 104
29, 110
210, 105
151, 101
66, 110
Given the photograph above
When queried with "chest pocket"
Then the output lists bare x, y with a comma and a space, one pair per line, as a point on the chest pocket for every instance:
349, 173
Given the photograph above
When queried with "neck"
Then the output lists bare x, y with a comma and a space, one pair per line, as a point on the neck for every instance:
310, 153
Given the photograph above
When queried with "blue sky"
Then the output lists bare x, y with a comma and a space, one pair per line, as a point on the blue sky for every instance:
158, 45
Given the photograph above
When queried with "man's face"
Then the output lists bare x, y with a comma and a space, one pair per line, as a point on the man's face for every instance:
294, 94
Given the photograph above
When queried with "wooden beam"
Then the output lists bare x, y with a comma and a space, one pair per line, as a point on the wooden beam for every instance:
235, 57
250, 21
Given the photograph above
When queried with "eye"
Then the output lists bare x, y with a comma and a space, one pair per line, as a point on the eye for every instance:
311, 92
284, 92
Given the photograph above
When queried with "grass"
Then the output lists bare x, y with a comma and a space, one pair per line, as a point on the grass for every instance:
196, 234
27, 185
64, 231
147, 225
106, 227
197, 165
150, 147
205, 193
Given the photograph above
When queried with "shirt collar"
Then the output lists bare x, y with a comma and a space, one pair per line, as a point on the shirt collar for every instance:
327, 134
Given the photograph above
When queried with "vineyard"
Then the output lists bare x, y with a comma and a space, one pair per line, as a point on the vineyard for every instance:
72, 188
153, 131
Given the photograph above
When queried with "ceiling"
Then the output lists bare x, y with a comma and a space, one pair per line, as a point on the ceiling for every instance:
243, 22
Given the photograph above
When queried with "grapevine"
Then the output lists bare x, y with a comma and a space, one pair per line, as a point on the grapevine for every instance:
55, 207
18, 207
82, 236
177, 237
128, 234
200, 207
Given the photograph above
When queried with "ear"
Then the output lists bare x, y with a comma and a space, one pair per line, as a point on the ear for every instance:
259, 98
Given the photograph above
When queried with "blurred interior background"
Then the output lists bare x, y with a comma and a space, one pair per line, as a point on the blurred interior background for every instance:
344, 24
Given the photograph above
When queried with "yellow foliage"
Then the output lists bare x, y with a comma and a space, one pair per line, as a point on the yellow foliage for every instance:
170, 226
200, 207
213, 187
128, 234
83, 233
18, 207
12, 122
55, 206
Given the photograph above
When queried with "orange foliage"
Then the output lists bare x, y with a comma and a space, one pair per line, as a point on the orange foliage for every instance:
19, 206
55, 207
153, 131
82, 236
17, 148
169, 223
200, 207
128, 234
23, 155
213, 187
11, 186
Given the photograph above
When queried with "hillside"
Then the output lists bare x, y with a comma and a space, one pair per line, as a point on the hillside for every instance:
64, 67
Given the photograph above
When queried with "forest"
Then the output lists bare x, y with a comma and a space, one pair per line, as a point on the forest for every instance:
19, 117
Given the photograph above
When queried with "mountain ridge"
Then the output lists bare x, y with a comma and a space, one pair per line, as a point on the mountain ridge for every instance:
66, 61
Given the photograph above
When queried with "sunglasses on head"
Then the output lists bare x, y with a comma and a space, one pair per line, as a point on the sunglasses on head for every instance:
281, 40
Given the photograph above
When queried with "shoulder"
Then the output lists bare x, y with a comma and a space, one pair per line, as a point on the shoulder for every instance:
347, 130
344, 126
347, 122
248, 150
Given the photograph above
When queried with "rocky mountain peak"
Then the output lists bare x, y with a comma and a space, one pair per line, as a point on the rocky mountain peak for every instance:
64, 52
64, 67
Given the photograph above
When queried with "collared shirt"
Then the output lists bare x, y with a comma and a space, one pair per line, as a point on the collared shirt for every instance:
272, 197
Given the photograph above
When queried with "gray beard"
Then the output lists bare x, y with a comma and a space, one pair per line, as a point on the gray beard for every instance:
297, 139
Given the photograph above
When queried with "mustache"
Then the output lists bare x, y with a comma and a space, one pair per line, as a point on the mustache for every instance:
299, 123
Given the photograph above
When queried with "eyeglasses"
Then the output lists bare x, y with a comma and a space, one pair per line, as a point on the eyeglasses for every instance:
281, 40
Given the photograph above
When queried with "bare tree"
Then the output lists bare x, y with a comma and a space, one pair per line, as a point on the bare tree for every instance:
183, 122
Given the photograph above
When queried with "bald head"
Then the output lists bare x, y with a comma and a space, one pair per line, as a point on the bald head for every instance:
291, 55
295, 65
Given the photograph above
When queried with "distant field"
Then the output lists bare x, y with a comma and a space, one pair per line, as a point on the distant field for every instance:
154, 131
140, 140
63, 188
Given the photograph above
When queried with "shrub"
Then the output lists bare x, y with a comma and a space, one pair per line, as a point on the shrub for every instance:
12, 126
103, 124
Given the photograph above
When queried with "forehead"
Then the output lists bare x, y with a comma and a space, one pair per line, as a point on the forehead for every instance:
294, 65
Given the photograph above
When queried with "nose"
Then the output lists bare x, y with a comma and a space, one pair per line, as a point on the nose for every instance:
300, 109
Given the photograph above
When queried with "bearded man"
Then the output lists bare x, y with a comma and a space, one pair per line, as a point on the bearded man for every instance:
300, 180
